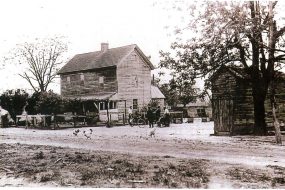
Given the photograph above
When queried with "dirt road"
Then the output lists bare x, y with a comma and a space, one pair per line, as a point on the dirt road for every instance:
225, 156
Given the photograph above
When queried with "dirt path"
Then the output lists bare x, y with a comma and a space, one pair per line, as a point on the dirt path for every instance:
178, 141
230, 160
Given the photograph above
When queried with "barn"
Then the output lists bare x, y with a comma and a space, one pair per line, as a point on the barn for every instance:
232, 102
113, 79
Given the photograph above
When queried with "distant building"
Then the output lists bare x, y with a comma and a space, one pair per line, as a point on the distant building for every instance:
115, 78
198, 109
232, 102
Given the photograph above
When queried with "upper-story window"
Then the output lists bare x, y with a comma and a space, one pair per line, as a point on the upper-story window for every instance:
82, 77
68, 79
101, 81
136, 81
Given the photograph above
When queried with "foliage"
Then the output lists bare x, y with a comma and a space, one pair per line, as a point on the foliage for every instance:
243, 34
73, 105
14, 101
179, 90
38, 103
153, 104
42, 59
170, 95
48, 103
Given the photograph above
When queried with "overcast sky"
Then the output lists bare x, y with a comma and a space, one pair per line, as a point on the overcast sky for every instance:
85, 23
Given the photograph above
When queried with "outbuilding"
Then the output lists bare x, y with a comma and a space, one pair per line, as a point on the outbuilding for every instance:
232, 102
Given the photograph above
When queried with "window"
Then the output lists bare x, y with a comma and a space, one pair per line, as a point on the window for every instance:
135, 81
101, 81
201, 112
68, 79
135, 104
112, 105
102, 106
82, 77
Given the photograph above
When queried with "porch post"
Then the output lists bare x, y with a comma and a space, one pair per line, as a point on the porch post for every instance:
108, 120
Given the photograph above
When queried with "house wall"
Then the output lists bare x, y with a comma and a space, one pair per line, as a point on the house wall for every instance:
87, 83
134, 81
280, 104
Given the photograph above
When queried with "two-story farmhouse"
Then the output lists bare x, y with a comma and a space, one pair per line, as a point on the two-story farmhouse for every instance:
115, 78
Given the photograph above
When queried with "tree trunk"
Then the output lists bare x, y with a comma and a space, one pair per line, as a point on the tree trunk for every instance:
272, 44
276, 123
259, 95
259, 116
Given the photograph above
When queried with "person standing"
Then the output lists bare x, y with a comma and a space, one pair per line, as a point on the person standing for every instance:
150, 117
166, 117
157, 113
130, 113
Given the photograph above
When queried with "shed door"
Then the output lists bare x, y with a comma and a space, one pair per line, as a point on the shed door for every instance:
223, 114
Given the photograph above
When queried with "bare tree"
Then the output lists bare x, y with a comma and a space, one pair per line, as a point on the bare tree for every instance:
41, 59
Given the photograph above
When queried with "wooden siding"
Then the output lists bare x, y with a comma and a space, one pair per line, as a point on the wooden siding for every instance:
232, 102
134, 81
90, 85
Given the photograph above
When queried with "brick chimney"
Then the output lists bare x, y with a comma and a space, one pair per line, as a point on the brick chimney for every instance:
104, 47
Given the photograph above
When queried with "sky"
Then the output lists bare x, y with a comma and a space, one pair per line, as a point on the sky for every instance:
85, 24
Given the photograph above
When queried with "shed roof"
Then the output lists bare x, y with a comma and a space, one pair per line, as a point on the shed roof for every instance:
101, 59
196, 104
94, 97
237, 72
156, 93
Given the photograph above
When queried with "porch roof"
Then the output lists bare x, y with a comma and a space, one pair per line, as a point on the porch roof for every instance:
156, 93
94, 97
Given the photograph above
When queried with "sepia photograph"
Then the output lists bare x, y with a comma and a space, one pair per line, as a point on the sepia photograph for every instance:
160, 94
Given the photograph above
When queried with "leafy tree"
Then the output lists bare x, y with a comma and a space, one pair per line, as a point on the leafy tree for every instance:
14, 101
170, 95
42, 59
48, 103
179, 91
244, 34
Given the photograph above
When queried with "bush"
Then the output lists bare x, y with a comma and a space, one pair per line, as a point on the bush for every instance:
14, 101
39, 102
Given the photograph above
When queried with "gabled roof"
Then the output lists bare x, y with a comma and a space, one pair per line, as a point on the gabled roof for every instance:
237, 72
101, 59
155, 93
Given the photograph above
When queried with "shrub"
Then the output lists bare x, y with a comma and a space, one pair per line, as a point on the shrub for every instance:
14, 101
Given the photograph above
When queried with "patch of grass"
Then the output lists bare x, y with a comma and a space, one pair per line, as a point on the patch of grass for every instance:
248, 175
87, 175
191, 174
171, 166
48, 176
278, 176
39, 155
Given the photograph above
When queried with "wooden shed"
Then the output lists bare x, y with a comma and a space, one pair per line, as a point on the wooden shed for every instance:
232, 102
